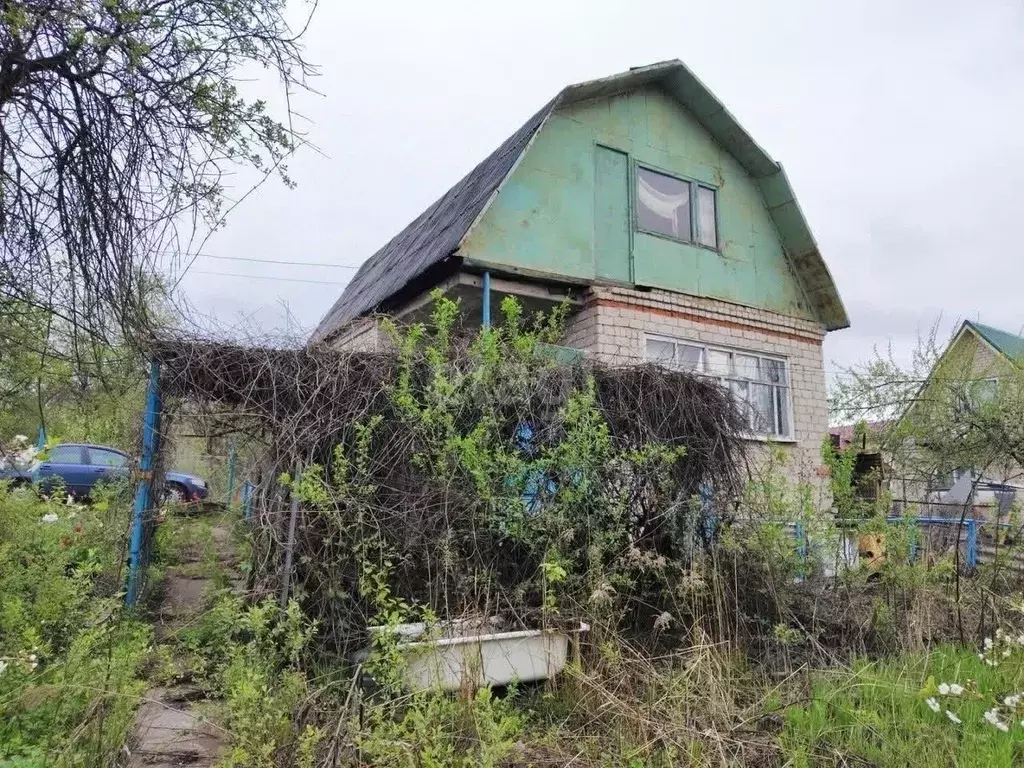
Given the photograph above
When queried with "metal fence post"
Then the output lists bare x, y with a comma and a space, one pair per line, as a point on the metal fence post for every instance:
247, 489
801, 547
707, 511
972, 543
144, 490
914, 533
232, 461
487, 300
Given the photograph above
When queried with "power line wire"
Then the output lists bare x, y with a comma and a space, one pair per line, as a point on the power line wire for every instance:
266, 277
278, 261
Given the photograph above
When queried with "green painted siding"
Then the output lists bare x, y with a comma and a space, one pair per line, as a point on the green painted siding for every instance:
563, 209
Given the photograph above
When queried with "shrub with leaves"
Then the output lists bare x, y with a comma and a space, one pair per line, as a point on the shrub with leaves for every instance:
71, 661
492, 480
251, 655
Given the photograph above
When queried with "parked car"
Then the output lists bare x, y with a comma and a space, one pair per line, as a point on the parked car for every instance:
81, 466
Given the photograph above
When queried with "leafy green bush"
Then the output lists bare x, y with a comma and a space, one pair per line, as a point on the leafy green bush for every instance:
70, 660
436, 730
251, 656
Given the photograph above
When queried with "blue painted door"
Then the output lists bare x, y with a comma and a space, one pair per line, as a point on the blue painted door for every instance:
70, 464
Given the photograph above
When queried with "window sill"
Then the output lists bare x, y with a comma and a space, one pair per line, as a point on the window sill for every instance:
766, 439
673, 239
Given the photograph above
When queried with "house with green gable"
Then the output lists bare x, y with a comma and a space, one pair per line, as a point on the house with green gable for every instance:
971, 396
676, 238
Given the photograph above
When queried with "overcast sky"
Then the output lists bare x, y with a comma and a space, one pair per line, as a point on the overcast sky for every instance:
900, 124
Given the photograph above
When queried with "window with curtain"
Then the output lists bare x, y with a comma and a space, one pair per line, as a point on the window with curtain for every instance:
680, 209
759, 383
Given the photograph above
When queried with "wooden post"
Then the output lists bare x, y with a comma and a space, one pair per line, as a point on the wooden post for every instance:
289, 546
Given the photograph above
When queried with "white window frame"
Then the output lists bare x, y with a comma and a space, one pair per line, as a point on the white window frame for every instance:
724, 381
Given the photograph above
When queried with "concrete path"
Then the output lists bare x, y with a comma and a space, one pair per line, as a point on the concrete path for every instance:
169, 729
169, 733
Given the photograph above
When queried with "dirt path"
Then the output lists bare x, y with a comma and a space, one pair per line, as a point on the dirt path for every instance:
170, 729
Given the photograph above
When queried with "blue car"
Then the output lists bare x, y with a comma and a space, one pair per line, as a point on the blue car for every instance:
81, 466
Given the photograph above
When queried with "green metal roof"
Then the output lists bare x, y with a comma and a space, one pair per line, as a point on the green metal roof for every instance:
1008, 344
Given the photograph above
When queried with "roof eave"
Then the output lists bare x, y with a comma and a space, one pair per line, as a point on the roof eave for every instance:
802, 250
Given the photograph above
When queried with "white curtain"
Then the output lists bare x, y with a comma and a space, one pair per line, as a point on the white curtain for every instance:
664, 204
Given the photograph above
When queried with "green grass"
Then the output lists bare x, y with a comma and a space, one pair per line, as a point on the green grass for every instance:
71, 659
876, 714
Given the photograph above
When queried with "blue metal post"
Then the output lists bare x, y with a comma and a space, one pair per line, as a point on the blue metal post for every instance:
801, 547
972, 543
232, 461
487, 300
915, 531
707, 510
247, 489
145, 487
41, 441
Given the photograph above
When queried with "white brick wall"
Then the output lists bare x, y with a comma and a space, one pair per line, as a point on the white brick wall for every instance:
363, 334
612, 326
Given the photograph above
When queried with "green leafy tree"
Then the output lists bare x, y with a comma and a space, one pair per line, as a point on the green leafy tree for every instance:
76, 393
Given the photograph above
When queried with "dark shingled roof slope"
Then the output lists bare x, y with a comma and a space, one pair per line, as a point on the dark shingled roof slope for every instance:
437, 232
431, 237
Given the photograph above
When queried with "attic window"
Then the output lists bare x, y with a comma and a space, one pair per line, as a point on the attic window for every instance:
676, 208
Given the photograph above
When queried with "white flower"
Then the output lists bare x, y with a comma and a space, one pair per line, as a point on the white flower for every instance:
1011, 701
50, 517
955, 689
31, 657
981, 656
953, 717
992, 717
944, 689
21, 438
988, 643
1006, 653
933, 705
3, 666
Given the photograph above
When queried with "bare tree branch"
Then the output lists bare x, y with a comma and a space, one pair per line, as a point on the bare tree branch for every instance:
118, 121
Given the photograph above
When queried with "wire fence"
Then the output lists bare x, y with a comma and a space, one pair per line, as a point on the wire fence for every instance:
978, 541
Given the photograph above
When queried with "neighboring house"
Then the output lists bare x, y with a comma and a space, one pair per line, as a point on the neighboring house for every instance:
976, 360
966, 375
675, 236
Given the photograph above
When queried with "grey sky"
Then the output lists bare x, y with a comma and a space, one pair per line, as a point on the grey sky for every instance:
899, 124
